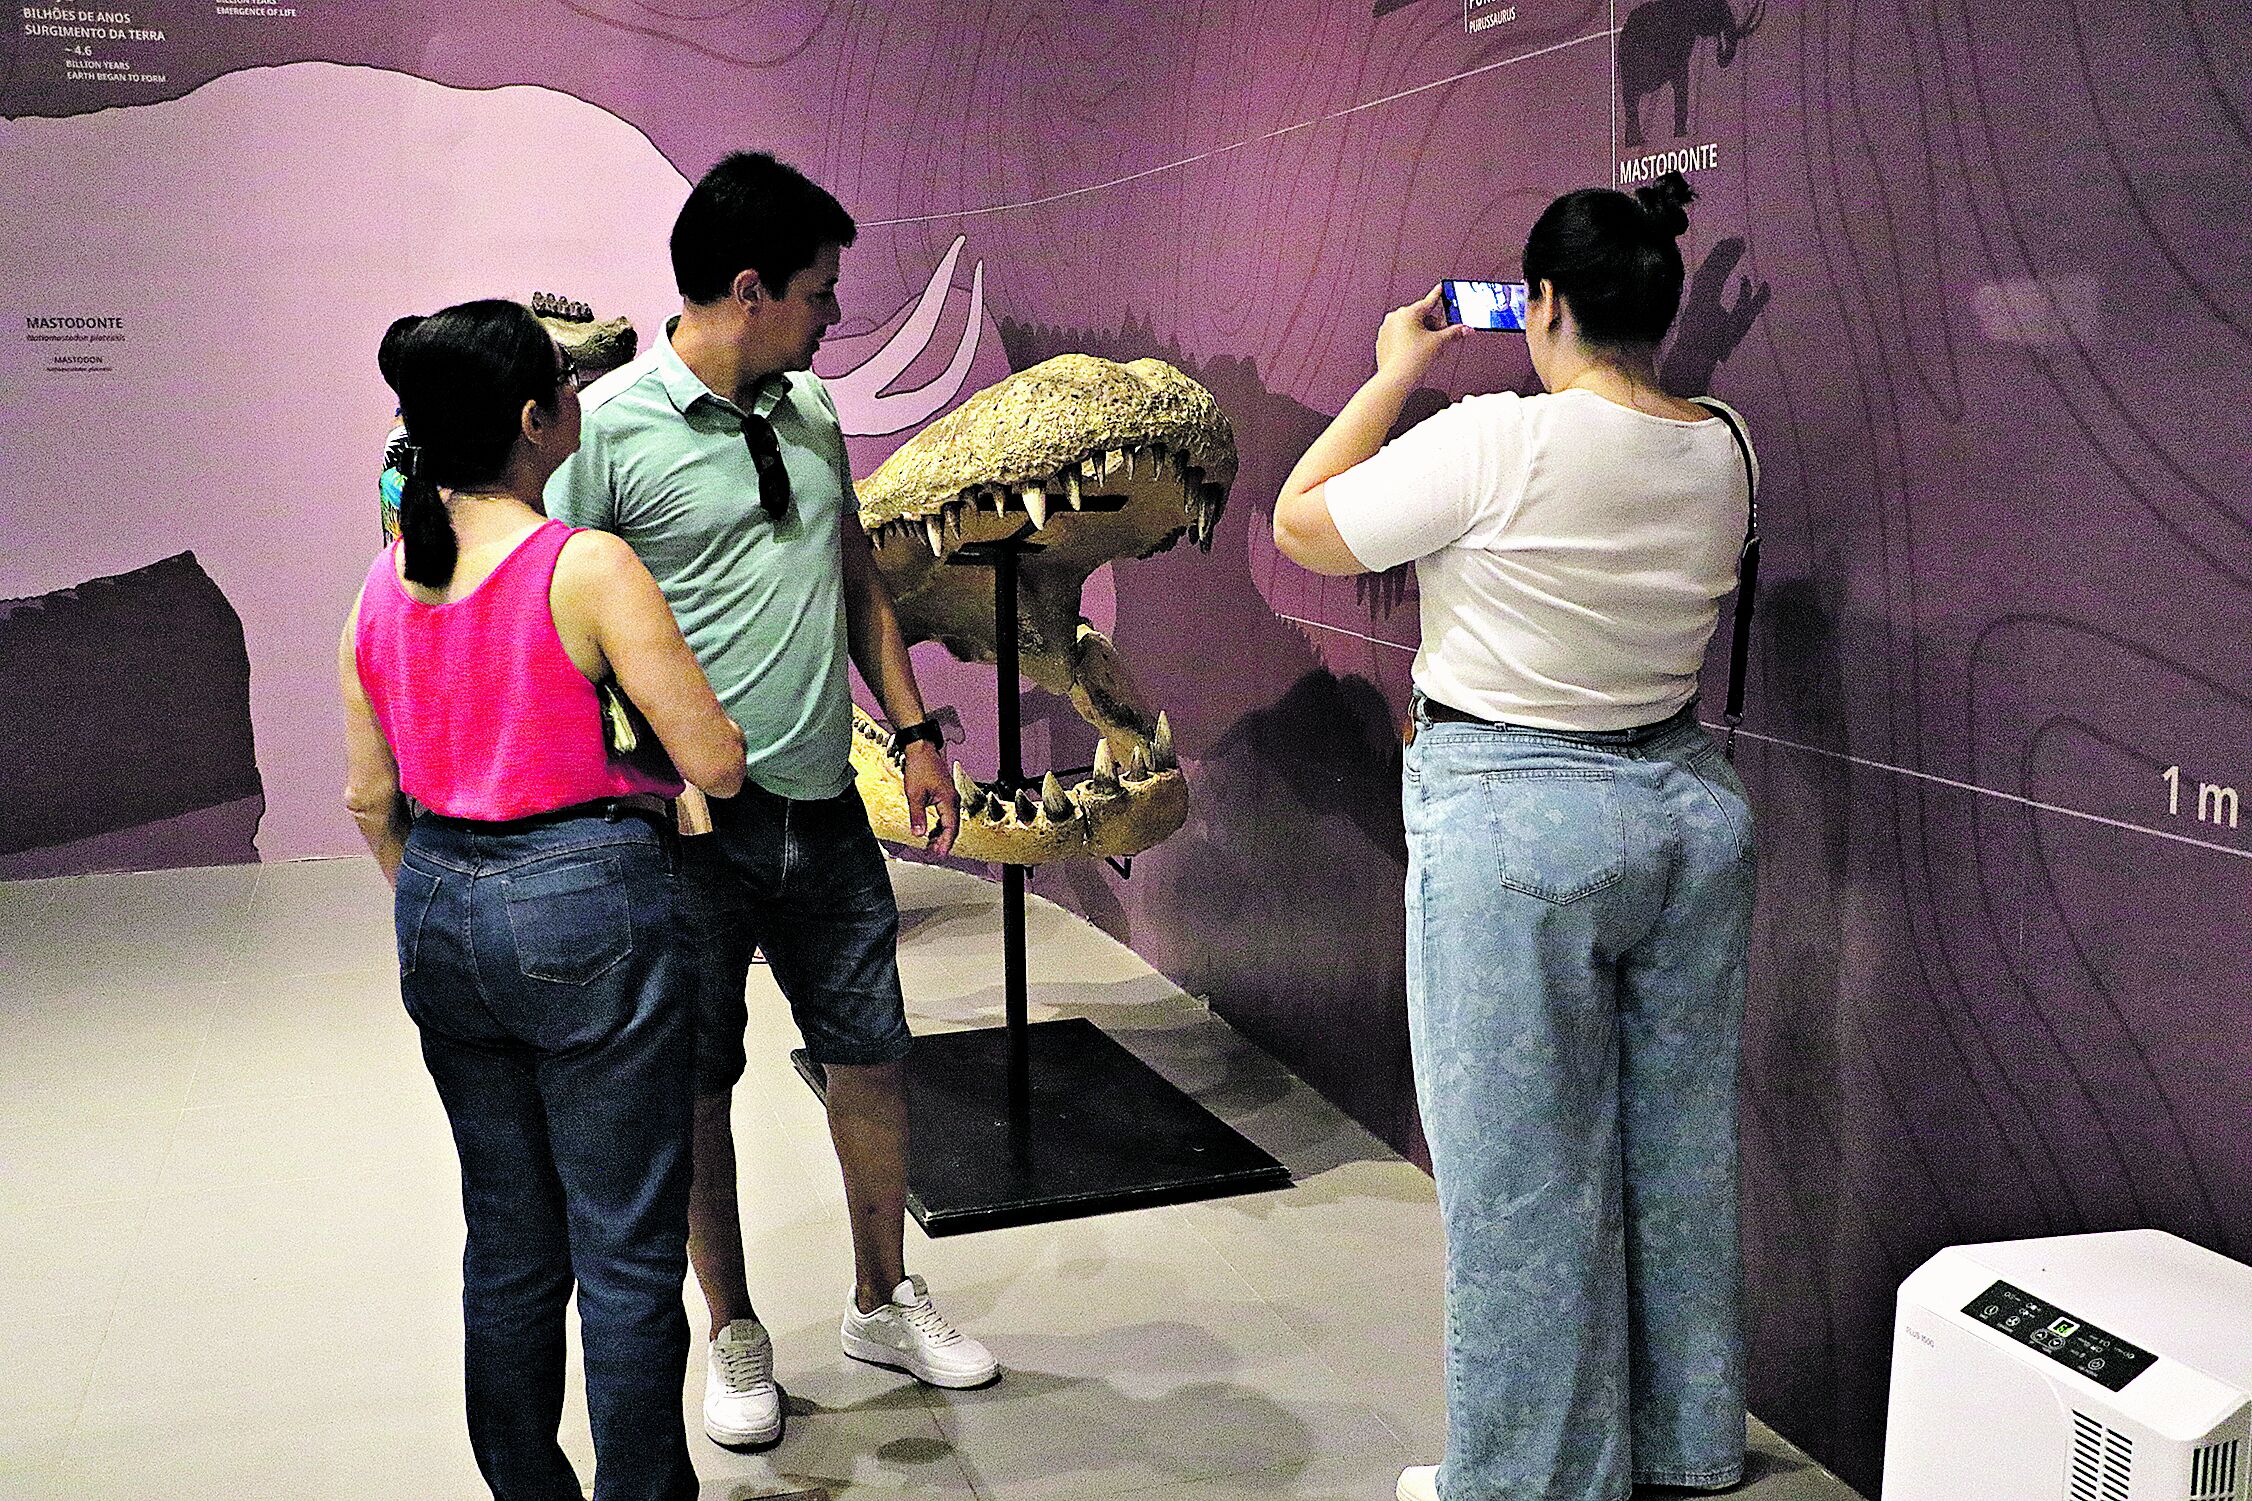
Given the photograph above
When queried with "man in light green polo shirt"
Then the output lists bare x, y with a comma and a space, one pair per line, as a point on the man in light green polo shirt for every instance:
718, 457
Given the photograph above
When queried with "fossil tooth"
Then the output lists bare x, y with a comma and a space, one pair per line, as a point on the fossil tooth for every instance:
1137, 765
931, 530
1036, 505
1025, 806
1130, 463
965, 787
1161, 751
1053, 800
1106, 766
1071, 488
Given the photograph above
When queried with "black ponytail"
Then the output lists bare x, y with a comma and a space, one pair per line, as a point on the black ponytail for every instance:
426, 532
1613, 260
462, 377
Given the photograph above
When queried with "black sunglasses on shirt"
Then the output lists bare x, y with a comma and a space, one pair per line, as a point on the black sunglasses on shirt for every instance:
773, 474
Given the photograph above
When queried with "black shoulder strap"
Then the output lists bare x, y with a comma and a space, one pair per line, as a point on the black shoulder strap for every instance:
1747, 572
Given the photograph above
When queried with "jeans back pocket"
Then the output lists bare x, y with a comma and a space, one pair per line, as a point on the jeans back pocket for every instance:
1558, 833
411, 897
571, 922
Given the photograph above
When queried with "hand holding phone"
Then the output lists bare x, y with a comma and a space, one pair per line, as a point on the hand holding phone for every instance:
1410, 337
1485, 304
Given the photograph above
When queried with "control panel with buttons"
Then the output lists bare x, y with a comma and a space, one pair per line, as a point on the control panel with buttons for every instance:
2099, 1356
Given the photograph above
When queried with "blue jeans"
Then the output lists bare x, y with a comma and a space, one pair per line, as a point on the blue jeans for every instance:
1578, 909
553, 989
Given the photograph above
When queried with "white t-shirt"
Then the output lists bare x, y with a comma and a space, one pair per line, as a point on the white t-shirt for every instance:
1571, 553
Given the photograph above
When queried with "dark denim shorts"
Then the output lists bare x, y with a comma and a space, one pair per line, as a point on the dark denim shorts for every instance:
805, 882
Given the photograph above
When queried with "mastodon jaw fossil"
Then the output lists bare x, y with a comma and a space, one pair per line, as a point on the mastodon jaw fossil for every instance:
859, 393
595, 347
1093, 461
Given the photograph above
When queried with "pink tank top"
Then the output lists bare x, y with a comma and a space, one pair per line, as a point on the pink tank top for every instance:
486, 713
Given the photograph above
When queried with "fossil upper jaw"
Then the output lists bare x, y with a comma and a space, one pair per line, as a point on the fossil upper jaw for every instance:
1028, 428
1089, 461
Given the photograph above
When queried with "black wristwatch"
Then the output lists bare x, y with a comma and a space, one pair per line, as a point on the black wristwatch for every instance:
907, 734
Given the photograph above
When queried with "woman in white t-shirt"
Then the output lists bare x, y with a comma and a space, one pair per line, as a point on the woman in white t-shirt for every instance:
1579, 863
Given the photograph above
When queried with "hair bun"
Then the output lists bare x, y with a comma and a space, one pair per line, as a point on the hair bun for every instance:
1667, 202
393, 350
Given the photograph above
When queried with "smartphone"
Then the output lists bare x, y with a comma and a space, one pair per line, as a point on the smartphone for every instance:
1485, 304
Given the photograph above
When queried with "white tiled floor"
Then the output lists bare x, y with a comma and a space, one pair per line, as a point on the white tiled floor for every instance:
229, 1236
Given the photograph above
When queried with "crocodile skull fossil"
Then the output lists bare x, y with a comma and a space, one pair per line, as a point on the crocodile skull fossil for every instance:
1093, 461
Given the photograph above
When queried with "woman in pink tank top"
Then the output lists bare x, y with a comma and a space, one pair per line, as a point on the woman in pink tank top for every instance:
539, 951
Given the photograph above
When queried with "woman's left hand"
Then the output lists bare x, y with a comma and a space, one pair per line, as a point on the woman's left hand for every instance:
1411, 337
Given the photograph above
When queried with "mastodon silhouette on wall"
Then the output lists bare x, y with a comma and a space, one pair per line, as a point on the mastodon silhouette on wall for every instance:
1659, 42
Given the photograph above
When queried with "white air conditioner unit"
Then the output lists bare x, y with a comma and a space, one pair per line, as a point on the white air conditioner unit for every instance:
2114, 1367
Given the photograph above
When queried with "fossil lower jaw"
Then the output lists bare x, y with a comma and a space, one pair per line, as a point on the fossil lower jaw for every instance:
1118, 809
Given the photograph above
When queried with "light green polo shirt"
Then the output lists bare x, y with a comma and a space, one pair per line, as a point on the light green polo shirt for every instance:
662, 464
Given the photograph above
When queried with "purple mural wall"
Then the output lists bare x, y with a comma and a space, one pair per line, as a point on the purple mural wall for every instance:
1977, 274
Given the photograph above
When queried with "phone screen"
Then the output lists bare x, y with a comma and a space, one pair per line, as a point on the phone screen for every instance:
1486, 304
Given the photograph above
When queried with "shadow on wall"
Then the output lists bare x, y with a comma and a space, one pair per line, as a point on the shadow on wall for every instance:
128, 728
1281, 899
1709, 327
1801, 1221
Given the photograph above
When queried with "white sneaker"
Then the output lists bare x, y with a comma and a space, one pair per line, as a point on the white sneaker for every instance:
742, 1405
1419, 1483
908, 1334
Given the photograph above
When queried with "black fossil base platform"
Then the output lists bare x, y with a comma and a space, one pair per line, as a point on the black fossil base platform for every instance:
1096, 1130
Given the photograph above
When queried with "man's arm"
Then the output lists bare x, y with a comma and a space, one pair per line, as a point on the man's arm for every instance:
879, 650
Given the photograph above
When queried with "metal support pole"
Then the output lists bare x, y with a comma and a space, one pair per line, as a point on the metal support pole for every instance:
1012, 876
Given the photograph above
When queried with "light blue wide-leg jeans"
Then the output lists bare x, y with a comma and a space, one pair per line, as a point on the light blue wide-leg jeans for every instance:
1578, 910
